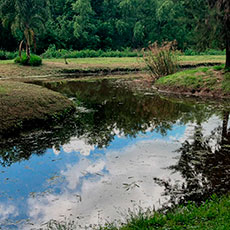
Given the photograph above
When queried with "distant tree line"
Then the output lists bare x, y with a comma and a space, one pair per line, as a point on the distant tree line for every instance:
112, 24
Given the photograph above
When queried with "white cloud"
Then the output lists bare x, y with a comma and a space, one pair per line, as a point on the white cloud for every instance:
78, 145
6, 211
126, 182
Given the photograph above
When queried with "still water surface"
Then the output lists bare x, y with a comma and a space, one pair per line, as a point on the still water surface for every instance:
121, 150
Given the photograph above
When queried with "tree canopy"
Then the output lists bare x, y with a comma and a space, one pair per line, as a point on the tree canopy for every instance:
25, 18
115, 24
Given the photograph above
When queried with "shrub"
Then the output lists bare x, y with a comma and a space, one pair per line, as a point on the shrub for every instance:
34, 60
213, 52
190, 52
161, 60
2, 55
5, 55
52, 52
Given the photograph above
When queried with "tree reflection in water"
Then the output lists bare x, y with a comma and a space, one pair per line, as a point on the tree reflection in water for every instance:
204, 164
108, 111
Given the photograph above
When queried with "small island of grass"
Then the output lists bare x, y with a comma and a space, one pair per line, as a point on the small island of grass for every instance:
203, 81
24, 105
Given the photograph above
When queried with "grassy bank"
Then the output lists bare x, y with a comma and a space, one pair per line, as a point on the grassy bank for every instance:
208, 81
212, 214
24, 105
8, 69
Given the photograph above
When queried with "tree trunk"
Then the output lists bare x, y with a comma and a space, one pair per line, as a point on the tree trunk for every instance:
225, 127
227, 64
227, 38
28, 51
20, 50
35, 44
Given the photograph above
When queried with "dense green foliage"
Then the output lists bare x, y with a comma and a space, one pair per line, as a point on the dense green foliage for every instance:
24, 18
33, 61
102, 24
6, 55
52, 52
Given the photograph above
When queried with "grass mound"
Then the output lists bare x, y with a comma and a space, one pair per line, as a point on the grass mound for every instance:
212, 81
24, 105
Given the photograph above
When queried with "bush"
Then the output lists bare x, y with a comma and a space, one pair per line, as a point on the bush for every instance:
34, 60
2, 55
213, 52
5, 55
190, 52
52, 52
161, 60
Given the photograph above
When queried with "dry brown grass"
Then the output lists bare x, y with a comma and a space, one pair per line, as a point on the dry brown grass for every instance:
54, 66
21, 103
9, 69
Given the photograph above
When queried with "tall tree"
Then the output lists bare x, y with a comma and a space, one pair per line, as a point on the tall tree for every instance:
223, 15
212, 18
25, 17
85, 24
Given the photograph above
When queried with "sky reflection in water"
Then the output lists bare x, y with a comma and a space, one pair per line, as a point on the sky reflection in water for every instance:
79, 180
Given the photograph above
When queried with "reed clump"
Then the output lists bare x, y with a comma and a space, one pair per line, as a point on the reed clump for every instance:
161, 60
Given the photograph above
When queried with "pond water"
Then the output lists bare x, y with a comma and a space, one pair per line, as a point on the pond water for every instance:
122, 151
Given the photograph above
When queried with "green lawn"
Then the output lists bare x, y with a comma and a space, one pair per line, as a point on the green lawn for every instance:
203, 58
54, 66
211, 80
211, 215
131, 60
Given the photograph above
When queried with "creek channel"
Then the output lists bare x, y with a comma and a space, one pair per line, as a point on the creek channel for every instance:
122, 151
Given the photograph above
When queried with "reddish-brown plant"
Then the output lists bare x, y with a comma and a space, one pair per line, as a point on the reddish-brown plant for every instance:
161, 60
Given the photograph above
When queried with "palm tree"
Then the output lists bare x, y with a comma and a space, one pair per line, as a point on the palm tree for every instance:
26, 17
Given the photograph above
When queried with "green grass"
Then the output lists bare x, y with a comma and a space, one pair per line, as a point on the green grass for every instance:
226, 83
212, 214
203, 58
2, 90
53, 66
129, 60
202, 78
6, 61
106, 60
97, 60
